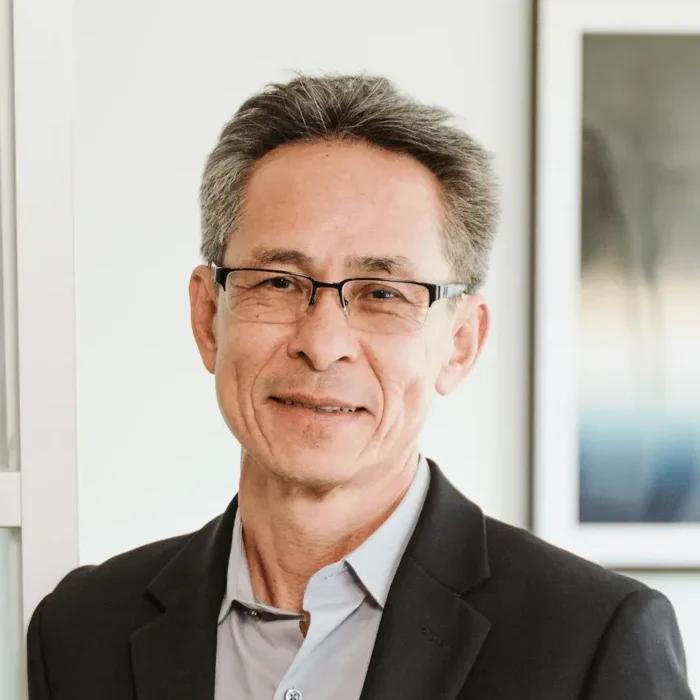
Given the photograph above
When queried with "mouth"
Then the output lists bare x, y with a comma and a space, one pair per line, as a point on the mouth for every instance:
330, 406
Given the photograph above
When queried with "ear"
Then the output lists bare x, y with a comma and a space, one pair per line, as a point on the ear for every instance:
204, 305
469, 330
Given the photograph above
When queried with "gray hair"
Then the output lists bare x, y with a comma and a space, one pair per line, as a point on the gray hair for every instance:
355, 107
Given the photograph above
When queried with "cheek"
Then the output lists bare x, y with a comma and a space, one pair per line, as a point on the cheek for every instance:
406, 376
243, 351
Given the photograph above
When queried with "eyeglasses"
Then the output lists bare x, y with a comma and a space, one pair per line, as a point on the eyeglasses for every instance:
376, 305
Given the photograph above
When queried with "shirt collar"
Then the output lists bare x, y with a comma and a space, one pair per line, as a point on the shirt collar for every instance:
374, 562
238, 585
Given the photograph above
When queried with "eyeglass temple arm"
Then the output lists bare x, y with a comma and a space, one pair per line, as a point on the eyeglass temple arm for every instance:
444, 291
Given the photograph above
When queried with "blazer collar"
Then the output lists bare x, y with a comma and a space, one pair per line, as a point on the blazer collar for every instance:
429, 636
174, 657
425, 616
449, 541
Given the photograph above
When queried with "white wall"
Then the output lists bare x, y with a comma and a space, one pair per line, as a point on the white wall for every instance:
156, 81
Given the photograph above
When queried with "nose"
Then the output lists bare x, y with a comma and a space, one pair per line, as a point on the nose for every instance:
322, 335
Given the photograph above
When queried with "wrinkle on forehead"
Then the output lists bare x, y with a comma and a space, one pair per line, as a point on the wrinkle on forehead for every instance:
362, 207
393, 265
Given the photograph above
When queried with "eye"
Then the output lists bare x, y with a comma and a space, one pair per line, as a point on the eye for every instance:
376, 292
384, 294
281, 283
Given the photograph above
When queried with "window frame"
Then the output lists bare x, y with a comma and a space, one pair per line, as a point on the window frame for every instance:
38, 496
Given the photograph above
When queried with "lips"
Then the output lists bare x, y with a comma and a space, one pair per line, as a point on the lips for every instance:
318, 404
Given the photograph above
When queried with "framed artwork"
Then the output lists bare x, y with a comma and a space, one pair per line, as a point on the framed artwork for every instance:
616, 473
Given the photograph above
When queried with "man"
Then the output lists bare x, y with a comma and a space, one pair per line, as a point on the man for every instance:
346, 235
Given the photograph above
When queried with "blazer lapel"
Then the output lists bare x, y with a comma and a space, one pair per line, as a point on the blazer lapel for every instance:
429, 637
174, 657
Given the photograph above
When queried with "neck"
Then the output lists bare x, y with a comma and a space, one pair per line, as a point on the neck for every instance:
291, 531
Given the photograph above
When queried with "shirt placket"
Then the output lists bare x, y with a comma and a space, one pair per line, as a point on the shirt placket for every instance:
331, 597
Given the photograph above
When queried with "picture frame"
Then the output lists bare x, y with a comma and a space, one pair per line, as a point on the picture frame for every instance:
616, 395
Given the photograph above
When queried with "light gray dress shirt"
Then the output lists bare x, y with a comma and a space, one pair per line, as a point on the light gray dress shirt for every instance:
261, 653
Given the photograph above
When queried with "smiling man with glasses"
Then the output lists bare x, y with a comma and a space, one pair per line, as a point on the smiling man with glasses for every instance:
346, 234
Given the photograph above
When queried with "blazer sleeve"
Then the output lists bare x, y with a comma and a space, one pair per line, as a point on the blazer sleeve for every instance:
37, 680
641, 654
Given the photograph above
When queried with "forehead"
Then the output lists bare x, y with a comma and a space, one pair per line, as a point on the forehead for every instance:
341, 205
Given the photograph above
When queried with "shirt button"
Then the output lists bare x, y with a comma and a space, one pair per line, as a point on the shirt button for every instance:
253, 613
293, 694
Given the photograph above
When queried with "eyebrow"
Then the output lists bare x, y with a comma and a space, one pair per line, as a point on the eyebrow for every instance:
391, 264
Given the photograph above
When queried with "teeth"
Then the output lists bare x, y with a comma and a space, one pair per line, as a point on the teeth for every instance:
322, 409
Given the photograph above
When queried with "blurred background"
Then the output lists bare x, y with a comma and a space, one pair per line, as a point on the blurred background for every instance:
146, 86
640, 291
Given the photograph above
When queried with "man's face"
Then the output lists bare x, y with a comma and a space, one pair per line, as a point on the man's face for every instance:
332, 202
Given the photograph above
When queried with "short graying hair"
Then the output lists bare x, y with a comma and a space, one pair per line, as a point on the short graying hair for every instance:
355, 107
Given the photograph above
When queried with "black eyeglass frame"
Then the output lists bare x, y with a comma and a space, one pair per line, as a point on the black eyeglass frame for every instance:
435, 291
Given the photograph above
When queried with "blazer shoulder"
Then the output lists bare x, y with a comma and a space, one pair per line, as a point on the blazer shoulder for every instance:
94, 608
117, 583
517, 554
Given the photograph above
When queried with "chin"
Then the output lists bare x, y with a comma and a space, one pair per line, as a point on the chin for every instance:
318, 468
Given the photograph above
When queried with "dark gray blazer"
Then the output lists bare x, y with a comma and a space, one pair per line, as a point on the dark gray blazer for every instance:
478, 610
